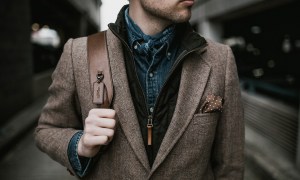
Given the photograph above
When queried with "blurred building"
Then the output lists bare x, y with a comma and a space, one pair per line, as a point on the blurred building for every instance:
32, 35
265, 38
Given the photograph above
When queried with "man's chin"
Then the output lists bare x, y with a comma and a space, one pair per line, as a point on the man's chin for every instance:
182, 19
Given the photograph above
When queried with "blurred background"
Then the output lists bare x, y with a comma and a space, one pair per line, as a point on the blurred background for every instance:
264, 36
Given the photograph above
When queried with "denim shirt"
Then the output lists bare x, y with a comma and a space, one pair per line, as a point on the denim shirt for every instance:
154, 56
79, 164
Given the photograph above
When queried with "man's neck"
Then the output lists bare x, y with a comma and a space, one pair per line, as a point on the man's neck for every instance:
150, 25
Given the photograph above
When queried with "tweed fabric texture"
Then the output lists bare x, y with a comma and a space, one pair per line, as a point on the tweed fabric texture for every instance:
196, 146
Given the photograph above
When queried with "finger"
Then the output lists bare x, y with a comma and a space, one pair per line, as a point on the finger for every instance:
105, 123
103, 113
99, 131
100, 122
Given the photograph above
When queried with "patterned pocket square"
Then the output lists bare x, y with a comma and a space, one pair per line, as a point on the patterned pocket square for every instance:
212, 104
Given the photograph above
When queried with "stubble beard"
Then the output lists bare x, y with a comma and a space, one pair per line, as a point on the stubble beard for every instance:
167, 15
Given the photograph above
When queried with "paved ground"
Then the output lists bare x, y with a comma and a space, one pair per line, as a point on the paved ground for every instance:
26, 162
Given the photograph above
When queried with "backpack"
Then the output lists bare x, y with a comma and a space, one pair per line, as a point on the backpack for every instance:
99, 70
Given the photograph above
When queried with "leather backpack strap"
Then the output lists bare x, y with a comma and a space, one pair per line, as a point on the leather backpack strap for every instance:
99, 70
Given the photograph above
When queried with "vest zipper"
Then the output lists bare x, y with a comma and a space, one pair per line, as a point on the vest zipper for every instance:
149, 127
150, 116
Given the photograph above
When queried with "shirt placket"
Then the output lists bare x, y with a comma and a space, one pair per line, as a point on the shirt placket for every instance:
153, 82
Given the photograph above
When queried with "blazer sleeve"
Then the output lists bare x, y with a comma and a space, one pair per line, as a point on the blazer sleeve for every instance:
228, 153
60, 118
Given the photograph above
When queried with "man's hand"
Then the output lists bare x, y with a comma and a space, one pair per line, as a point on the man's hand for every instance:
98, 131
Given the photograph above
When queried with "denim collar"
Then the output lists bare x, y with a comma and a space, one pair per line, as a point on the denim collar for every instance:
146, 42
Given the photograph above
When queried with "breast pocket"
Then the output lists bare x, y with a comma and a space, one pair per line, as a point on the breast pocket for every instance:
201, 131
205, 123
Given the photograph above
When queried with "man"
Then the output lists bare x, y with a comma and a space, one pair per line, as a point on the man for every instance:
177, 111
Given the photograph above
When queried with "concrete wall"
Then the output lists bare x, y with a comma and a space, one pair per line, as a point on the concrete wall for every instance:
20, 86
214, 8
208, 16
15, 60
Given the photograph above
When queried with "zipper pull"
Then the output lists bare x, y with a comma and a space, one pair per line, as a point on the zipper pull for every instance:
150, 126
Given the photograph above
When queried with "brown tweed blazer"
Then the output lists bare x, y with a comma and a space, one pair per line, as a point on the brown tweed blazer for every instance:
198, 144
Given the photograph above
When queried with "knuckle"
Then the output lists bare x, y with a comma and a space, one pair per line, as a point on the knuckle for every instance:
92, 111
112, 112
85, 140
95, 111
105, 139
111, 132
89, 130
113, 122
89, 120
105, 132
101, 140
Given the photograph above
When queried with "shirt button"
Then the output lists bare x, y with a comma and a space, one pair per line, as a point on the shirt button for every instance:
135, 47
169, 54
151, 109
151, 75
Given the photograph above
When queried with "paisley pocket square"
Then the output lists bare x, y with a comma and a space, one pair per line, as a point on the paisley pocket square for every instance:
212, 104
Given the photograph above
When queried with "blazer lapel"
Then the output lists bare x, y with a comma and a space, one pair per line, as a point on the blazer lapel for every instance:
190, 91
122, 99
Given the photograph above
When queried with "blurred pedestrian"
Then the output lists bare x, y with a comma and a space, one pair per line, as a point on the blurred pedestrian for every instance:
177, 110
